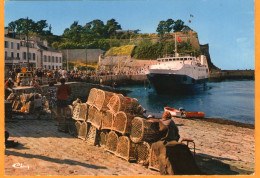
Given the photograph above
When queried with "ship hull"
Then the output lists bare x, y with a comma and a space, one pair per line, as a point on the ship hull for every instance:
175, 83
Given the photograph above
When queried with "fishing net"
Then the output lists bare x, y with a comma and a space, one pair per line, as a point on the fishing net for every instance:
112, 140
107, 120
102, 99
125, 149
144, 130
122, 122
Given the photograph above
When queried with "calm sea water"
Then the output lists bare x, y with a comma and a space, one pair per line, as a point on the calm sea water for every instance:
231, 100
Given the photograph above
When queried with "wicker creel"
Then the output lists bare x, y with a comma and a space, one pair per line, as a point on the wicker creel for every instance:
92, 96
83, 111
102, 99
143, 153
92, 135
103, 138
95, 117
107, 120
112, 140
76, 111
122, 122
83, 130
153, 160
78, 125
126, 148
144, 130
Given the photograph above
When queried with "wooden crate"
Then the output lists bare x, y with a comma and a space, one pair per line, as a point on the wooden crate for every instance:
143, 150
107, 120
126, 148
92, 135
144, 130
102, 99
92, 96
83, 111
95, 117
122, 122
83, 130
112, 141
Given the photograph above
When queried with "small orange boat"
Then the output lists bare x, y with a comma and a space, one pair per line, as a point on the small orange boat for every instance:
184, 114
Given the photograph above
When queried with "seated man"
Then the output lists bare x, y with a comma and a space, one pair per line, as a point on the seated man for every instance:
173, 131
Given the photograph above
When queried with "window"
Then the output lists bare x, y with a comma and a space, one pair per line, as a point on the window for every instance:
24, 55
57, 60
177, 59
159, 60
6, 44
18, 56
45, 59
49, 67
34, 56
49, 59
162, 60
18, 46
185, 59
12, 54
52, 67
56, 67
52, 59
12, 45
5, 54
170, 59
60, 59
166, 60
45, 66
29, 56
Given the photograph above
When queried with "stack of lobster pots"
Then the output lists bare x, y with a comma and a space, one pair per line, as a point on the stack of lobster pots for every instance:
116, 123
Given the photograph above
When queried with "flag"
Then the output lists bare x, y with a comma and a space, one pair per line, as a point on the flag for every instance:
179, 39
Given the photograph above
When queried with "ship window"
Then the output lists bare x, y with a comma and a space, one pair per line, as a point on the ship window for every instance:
162, 60
166, 60
159, 60
173, 59
170, 59
181, 59
177, 59
185, 59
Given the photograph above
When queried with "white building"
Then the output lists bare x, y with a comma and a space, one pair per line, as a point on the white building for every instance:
39, 56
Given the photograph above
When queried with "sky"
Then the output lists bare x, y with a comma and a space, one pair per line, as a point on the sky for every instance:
228, 26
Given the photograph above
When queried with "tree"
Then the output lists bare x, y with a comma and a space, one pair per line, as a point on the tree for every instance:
178, 25
169, 25
111, 27
161, 28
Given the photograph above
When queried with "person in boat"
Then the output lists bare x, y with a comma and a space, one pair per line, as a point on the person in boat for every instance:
173, 131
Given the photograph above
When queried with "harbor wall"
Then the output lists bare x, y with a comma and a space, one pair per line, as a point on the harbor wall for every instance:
232, 74
79, 90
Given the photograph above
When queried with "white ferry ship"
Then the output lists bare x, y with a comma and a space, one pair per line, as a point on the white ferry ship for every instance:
178, 74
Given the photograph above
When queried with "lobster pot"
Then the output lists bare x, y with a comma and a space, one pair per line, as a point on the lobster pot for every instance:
92, 135
92, 96
112, 140
95, 117
78, 125
103, 138
83, 130
125, 148
144, 130
142, 153
107, 120
122, 122
153, 161
72, 128
102, 99
83, 110
69, 111
76, 110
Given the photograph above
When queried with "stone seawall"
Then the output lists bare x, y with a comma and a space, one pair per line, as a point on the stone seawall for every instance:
232, 74
79, 90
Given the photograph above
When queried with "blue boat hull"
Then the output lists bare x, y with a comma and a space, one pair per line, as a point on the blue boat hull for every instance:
172, 83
